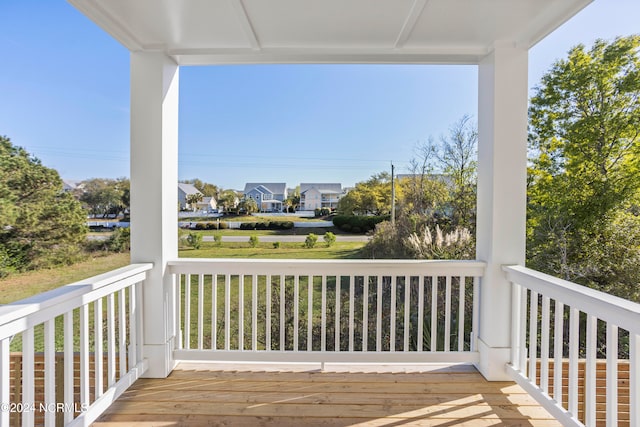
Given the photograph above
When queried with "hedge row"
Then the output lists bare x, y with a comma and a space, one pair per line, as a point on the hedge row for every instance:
273, 225
211, 226
358, 224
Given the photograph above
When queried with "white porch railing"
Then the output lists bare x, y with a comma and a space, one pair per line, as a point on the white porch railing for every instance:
34, 389
326, 310
584, 331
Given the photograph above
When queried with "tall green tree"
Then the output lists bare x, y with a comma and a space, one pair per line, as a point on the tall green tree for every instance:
369, 197
585, 166
40, 225
103, 196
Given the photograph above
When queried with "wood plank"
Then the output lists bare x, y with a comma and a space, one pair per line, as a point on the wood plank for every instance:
320, 411
117, 420
325, 377
329, 398
353, 387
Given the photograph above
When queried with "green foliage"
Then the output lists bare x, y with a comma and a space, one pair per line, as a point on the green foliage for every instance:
194, 240
585, 169
103, 196
249, 206
120, 240
310, 241
228, 200
218, 239
357, 224
273, 225
40, 225
329, 238
207, 189
193, 199
369, 197
276, 245
253, 241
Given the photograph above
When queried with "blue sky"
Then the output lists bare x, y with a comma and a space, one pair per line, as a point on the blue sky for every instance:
64, 96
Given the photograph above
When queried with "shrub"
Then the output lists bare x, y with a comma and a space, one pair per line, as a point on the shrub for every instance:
358, 223
316, 211
262, 225
194, 240
120, 240
253, 241
276, 245
218, 239
310, 241
212, 226
222, 225
201, 226
329, 238
248, 226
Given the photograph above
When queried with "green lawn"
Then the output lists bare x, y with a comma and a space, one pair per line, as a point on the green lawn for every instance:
340, 250
252, 218
293, 232
23, 285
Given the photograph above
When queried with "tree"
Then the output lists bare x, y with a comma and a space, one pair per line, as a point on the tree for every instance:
249, 206
207, 189
40, 225
104, 196
193, 199
585, 166
228, 200
457, 155
293, 199
370, 197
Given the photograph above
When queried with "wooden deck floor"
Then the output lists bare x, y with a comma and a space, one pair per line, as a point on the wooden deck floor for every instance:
248, 395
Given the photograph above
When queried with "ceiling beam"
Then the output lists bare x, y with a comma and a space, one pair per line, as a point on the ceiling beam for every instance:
245, 23
410, 22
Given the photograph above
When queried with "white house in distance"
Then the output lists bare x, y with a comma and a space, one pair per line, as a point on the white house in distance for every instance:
185, 190
319, 195
269, 196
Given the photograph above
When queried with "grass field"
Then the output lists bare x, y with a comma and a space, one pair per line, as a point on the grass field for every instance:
252, 218
23, 285
340, 250
292, 232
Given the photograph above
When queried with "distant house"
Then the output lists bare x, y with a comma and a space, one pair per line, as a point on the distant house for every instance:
207, 204
185, 190
269, 197
320, 195
69, 185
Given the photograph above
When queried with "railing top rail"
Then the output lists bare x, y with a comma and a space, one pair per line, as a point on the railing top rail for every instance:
357, 267
619, 311
62, 295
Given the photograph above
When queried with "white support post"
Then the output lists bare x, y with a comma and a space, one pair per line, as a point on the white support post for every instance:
501, 211
154, 198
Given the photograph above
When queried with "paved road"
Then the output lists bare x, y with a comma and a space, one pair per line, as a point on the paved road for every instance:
285, 238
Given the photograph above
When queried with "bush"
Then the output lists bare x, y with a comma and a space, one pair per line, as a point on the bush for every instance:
248, 226
201, 226
120, 241
281, 225
310, 241
329, 238
222, 225
218, 239
253, 241
194, 240
316, 212
358, 223
262, 225
276, 245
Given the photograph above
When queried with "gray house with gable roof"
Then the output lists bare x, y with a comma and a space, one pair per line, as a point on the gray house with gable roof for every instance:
269, 197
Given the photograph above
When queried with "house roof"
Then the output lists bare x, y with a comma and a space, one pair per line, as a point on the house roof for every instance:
328, 188
188, 188
327, 31
271, 187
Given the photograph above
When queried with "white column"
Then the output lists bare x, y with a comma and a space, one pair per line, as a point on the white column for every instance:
501, 216
154, 197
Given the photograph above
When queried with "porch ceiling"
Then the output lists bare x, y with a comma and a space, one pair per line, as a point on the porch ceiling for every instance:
199, 32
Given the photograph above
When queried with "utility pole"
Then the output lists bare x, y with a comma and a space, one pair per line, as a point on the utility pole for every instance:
393, 196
